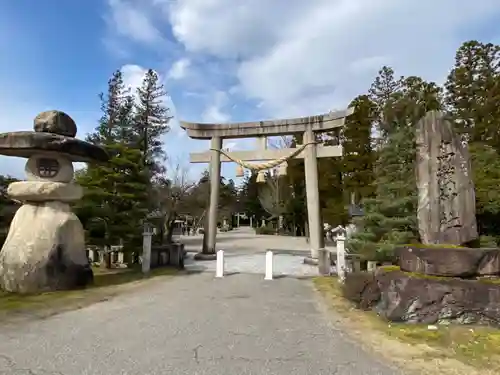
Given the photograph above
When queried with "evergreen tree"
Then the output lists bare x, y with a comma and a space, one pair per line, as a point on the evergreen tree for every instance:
116, 193
331, 185
390, 217
151, 123
116, 107
473, 92
383, 93
486, 173
358, 155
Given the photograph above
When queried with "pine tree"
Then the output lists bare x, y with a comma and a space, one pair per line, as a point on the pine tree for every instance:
151, 123
115, 202
331, 186
390, 217
473, 92
358, 154
383, 93
116, 105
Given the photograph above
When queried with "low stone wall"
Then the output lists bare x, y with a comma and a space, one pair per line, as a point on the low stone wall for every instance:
168, 255
164, 255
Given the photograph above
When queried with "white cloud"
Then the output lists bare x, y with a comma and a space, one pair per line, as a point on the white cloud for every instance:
179, 69
301, 57
129, 19
214, 112
133, 75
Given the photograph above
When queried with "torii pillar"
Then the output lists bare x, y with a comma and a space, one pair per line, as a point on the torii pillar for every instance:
308, 126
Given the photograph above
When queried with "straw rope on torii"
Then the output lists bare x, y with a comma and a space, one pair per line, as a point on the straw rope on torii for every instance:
263, 166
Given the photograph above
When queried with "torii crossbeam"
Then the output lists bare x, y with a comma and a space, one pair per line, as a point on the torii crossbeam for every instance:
261, 130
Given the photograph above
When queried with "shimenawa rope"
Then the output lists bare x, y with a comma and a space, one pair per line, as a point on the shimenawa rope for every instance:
268, 165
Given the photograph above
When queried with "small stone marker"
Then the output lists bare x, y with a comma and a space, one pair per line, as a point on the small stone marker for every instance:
341, 264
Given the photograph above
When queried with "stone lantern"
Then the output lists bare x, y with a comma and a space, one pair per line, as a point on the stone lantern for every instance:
45, 247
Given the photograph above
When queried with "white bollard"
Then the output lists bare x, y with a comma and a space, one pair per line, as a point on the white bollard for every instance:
219, 269
341, 263
269, 266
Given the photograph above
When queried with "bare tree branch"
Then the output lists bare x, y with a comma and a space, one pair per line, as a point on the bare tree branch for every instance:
283, 141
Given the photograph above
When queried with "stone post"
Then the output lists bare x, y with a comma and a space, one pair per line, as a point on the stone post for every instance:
316, 240
341, 264
215, 169
147, 236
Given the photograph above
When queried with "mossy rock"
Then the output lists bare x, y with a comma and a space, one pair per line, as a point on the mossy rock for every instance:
486, 280
436, 246
455, 261
417, 298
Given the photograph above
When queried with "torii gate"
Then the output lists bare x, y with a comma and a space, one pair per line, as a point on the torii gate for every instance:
309, 151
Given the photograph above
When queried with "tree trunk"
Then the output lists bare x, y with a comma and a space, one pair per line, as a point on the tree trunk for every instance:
170, 230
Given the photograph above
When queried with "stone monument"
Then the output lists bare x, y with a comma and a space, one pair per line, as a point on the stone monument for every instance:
438, 282
45, 247
446, 198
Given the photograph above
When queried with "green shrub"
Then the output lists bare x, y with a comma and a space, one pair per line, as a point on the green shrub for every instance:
361, 288
487, 241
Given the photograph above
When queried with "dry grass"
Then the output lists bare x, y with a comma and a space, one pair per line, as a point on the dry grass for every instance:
107, 284
452, 349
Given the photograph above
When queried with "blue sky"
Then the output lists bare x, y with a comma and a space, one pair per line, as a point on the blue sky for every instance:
221, 60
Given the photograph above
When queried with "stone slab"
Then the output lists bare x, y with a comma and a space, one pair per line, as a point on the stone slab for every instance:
323, 122
25, 144
454, 262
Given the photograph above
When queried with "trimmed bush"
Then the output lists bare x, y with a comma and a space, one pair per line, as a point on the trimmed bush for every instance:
265, 230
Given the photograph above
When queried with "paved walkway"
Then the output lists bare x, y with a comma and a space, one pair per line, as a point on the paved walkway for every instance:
245, 253
191, 325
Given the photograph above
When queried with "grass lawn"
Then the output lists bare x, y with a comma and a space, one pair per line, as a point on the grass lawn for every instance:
107, 283
450, 349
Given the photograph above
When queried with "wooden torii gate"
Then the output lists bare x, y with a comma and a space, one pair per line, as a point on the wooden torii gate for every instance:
309, 151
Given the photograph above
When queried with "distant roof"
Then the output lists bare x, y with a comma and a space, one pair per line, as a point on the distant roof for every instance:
355, 210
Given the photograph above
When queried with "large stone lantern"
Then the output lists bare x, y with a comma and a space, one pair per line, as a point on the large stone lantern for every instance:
45, 247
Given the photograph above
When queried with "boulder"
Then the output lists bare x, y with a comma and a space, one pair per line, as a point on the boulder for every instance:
55, 122
419, 299
453, 262
46, 254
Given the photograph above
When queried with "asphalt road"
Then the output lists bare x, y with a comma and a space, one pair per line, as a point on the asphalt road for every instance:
191, 325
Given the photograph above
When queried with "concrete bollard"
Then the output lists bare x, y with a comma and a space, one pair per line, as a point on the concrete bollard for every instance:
269, 266
219, 269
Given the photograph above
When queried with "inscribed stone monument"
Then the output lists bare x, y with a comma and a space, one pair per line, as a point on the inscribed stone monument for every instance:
446, 198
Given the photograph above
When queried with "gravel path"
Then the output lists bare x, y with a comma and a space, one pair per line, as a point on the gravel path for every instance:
191, 325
